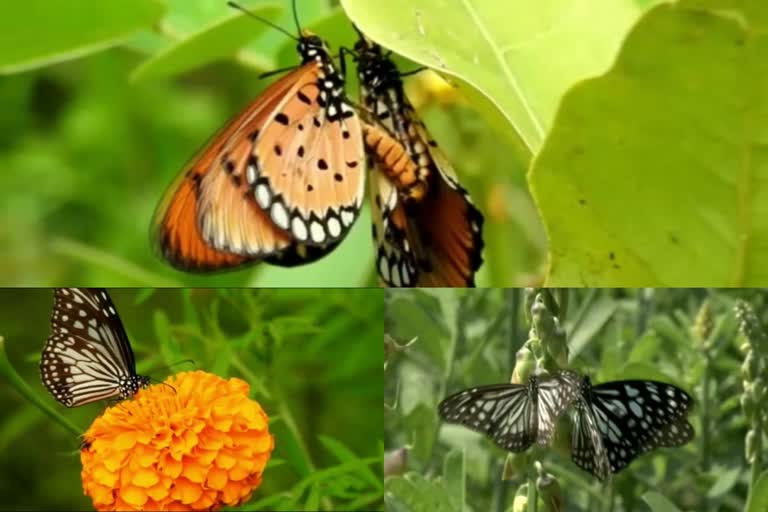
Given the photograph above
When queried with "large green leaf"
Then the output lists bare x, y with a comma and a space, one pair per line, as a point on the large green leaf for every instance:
36, 33
656, 174
521, 57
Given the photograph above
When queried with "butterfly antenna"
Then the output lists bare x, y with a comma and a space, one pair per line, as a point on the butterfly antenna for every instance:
239, 7
190, 361
296, 17
165, 384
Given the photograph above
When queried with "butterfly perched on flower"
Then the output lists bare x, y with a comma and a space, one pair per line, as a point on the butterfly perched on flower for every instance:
514, 416
426, 230
616, 422
88, 357
282, 182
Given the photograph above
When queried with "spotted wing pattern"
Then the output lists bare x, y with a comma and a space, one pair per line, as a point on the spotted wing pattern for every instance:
87, 357
616, 422
282, 182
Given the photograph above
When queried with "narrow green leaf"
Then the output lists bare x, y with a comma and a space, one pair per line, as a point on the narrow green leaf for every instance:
37, 33
454, 474
724, 483
344, 454
224, 38
659, 502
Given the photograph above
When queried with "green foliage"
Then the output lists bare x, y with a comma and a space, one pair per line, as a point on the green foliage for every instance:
312, 359
467, 338
688, 147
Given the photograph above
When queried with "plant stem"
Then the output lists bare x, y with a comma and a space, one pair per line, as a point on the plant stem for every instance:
756, 469
533, 497
7, 369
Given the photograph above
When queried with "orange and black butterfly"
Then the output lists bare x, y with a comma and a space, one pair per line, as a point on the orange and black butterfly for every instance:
426, 230
282, 182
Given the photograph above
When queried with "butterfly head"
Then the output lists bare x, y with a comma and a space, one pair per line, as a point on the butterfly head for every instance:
311, 47
130, 385
375, 69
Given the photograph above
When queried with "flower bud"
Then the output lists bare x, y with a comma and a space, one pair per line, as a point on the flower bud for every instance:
550, 492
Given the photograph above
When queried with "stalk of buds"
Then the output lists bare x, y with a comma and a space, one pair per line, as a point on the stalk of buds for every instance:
753, 400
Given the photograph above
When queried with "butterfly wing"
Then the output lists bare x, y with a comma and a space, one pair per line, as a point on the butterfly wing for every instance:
208, 220
88, 352
555, 395
282, 182
433, 225
502, 412
637, 416
587, 448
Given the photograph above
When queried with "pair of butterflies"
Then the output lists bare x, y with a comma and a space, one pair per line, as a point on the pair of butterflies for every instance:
283, 182
613, 422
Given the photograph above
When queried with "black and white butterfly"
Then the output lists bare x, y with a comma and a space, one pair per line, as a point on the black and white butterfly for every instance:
514, 416
87, 356
616, 422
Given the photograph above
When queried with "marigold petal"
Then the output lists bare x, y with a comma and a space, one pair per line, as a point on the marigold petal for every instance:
145, 478
158, 491
114, 460
186, 491
217, 478
194, 471
103, 476
101, 494
205, 457
225, 460
232, 493
206, 500
135, 496
222, 423
238, 473
171, 467
124, 441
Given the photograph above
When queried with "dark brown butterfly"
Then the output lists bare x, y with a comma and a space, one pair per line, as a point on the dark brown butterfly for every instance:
426, 230
282, 182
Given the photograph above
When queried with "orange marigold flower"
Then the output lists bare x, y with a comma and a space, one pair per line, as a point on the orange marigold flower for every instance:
198, 445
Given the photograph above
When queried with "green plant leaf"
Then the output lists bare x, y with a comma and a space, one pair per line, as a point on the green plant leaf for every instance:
724, 483
522, 62
223, 38
454, 474
659, 502
758, 494
37, 33
655, 173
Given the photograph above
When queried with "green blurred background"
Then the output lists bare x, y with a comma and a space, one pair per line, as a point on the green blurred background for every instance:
313, 359
466, 338
88, 145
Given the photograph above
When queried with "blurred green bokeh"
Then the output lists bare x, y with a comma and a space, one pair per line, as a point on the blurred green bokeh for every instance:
89, 145
313, 359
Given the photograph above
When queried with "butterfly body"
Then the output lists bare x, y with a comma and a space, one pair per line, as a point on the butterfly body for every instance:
88, 357
514, 416
616, 422
282, 182
426, 230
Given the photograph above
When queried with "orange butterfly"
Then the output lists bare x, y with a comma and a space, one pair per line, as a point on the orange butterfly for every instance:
426, 230
282, 182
